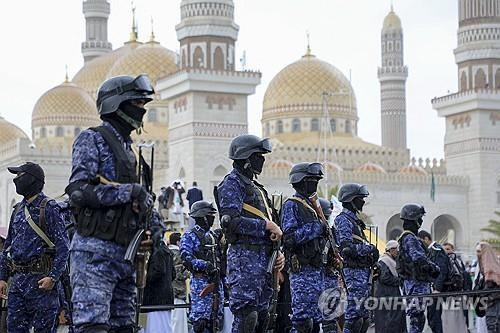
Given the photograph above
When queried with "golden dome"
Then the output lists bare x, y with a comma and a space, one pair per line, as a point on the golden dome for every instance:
304, 82
10, 132
370, 168
392, 21
66, 104
92, 75
152, 132
413, 169
151, 58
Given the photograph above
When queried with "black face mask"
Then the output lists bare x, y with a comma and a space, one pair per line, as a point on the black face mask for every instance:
126, 119
358, 203
412, 226
307, 187
257, 163
205, 222
27, 185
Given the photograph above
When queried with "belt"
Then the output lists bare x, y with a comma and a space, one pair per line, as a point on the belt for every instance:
35, 267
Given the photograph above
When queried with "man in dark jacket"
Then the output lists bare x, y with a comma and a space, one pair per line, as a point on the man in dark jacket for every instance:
159, 291
194, 194
437, 255
387, 285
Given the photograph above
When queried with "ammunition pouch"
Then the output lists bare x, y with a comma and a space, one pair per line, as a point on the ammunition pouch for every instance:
118, 224
41, 265
309, 253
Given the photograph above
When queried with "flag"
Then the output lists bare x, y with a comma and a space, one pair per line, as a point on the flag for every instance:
433, 187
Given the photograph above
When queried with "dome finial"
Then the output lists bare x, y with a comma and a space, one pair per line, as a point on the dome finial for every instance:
392, 5
308, 50
66, 80
133, 33
152, 37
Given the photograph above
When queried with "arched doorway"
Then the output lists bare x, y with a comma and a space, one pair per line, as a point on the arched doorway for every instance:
394, 228
446, 228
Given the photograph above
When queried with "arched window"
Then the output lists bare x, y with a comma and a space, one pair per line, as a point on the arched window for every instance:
152, 115
198, 58
77, 131
389, 46
218, 59
43, 132
267, 131
480, 79
182, 173
296, 125
348, 128
279, 126
333, 125
59, 131
184, 58
314, 125
497, 79
220, 171
463, 81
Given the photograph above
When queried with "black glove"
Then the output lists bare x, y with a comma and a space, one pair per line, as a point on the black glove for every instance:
374, 253
434, 270
211, 270
143, 198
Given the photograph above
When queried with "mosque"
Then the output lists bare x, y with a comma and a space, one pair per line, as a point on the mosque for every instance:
309, 112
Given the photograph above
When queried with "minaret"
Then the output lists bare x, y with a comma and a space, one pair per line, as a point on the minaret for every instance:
207, 98
472, 115
96, 43
392, 76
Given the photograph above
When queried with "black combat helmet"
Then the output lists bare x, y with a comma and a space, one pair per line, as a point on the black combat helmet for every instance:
349, 191
119, 89
326, 207
202, 208
412, 212
245, 145
302, 170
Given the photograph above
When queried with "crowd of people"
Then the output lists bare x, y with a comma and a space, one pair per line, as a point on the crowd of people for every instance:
102, 257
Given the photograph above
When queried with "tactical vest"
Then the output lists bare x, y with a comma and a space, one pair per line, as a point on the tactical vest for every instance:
407, 268
117, 223
254, 197
310, 252
358, 237
204, 252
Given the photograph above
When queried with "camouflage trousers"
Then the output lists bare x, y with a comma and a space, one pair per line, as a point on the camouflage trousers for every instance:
358, 289
248, 282
201, 307
30, 307
415, 308
306, 287
104, 290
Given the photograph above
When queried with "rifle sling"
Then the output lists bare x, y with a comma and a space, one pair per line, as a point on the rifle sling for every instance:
35, 227
306, 205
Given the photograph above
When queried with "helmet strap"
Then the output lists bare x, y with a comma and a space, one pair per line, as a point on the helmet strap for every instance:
131, 121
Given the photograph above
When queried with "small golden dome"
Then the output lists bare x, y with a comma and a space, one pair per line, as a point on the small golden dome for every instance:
151, 58
413, 169
92, 75
10, 132
370, 168
304, 82
332, 167
66, 104
392, 21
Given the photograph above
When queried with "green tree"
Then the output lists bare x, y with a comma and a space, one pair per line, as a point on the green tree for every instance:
494, 229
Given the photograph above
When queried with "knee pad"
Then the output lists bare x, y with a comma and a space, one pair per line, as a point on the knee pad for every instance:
304, 326
329, 326
100, 328
200, 325
249, 322
262, 321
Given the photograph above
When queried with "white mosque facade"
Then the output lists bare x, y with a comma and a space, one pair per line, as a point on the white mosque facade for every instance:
309, 112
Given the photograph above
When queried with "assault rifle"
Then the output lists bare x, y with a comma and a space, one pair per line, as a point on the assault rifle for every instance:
213, 287
277, 202
332, 255
134, 253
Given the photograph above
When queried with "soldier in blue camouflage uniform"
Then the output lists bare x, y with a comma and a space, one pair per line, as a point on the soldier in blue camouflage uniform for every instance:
248, 227
199, 253
413, 266
304, 241
110, 203
358, 255
33, 297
